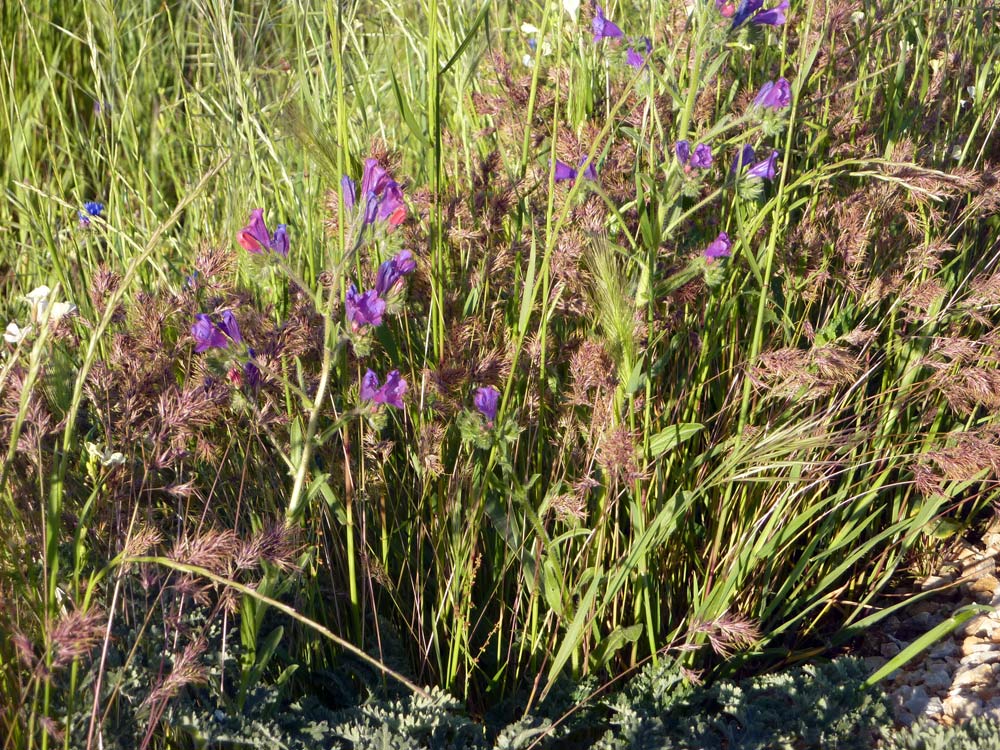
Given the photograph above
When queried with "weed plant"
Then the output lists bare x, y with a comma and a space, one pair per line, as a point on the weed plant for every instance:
484, 345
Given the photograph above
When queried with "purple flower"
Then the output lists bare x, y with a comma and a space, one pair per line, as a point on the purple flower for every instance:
391, 393
230, 327
637, 59
772, 17
350, 193
700, 159
487, 400
390, 274
207, 335
369, 386
603, 28
743, 157
251, 373
382, 195
255, 237
774, 95
92, 208
363, 309
564, 171
766, 168
750, 10
719, 247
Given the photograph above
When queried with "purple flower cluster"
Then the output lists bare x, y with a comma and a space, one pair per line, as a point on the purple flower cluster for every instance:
391, 393
700, 158
564, 171
382, 195
255, 237
752, 11
367, 309
605, 28
210, 335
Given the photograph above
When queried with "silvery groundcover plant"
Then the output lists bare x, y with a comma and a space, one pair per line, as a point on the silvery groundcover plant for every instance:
488, 373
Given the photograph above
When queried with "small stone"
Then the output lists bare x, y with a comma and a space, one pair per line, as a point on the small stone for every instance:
934, 707
873, 664
944, 649
934, 582
982, 567
980, 657
973, 676
961, 706
974, 645
889, 650
980, 625
937, 680
917, 701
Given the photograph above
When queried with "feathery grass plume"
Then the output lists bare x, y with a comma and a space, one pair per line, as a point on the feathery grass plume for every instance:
187, 669
74, 635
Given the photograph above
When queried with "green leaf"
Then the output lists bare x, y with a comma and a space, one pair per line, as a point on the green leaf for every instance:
476, 23
928, 639
574, 634
613, 643
673, 436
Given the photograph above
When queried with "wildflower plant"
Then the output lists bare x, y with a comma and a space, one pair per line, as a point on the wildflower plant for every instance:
642, 353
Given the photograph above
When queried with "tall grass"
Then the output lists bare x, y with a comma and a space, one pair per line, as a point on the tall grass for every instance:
691, 457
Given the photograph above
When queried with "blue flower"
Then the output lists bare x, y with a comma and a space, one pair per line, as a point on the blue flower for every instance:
766, 168
92, 208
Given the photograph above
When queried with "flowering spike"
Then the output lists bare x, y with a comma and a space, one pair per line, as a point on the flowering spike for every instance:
255, 238
766, 168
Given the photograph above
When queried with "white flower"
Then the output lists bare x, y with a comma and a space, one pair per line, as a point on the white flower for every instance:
15, 334
527, 28
527, 61
106, 456
572, 7
62, 309
38, 294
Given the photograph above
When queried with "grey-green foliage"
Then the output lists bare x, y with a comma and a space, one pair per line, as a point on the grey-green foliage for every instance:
981, 733
815, 706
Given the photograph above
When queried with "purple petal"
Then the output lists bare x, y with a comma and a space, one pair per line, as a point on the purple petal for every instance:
774, 95
743, 157
603, 28
719, 247
390, 273
746, 9
373, 178
279, 243
772, 17
391, 200
350, 193
254, 236
589, 173
207, 335
230, 327
702, 158
369, 386
486, 401
392, 392
766, 168
634, 59
683, 151
371, 209
564, 172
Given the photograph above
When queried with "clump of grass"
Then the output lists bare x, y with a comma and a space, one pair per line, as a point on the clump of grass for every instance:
532, 390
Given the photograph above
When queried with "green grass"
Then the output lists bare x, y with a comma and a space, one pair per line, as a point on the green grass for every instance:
737, 454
